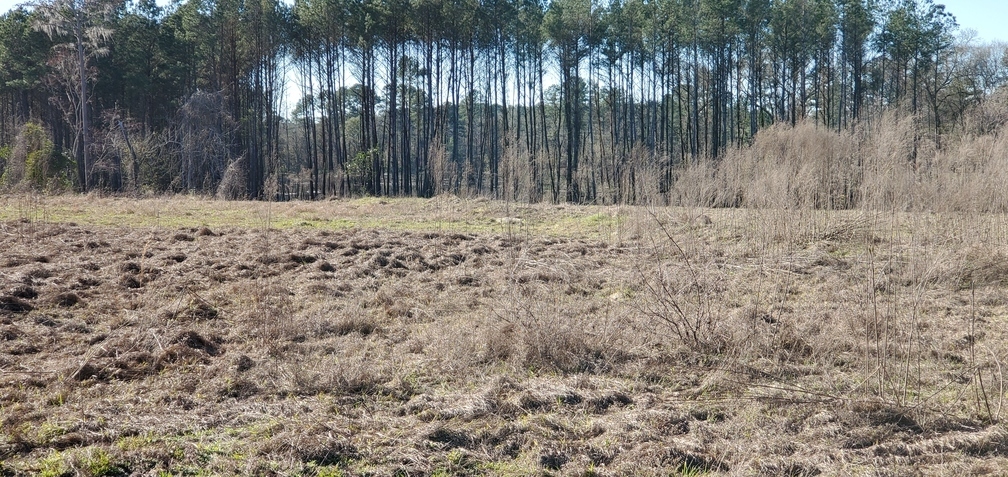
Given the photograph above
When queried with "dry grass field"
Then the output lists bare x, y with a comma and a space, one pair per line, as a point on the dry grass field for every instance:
448, 336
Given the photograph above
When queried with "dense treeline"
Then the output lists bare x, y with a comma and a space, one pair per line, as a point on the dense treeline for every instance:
570, 100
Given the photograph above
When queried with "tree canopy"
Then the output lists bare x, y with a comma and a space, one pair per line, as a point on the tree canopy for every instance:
563, 100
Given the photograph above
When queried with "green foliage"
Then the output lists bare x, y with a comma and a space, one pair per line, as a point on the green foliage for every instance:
360, 171
330, 471
144, 71
54, 465
687, 470
33, 162
45, 169
96, 462
23, 52
5, 154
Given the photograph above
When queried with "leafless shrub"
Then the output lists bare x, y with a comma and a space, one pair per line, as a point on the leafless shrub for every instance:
541, 329
699, 184
233, 183
13, 171
679, 292
204, 132
989, 117
348, 374
560, 342
890, 164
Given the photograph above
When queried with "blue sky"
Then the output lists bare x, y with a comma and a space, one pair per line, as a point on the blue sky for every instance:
988, 17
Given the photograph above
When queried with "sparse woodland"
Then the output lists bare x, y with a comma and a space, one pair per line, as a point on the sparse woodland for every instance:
694, 102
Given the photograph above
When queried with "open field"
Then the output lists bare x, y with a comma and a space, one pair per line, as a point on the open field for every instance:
184, 336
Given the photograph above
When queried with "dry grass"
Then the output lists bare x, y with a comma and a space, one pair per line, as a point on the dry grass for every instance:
891, 164
470, 337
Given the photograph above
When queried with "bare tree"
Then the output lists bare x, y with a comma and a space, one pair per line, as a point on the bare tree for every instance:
79, 27
205, 133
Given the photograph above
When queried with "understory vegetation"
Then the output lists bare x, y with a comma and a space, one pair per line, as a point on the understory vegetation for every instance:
451, 336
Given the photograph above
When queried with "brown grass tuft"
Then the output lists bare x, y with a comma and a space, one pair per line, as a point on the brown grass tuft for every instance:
14, 304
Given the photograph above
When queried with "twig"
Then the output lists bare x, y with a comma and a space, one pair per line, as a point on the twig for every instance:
826, 397
29, 372
156, 340
997, 415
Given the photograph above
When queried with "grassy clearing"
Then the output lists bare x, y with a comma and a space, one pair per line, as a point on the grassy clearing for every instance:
444, 213
471, 337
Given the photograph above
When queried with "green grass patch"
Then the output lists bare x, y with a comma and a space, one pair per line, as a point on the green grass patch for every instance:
406, 214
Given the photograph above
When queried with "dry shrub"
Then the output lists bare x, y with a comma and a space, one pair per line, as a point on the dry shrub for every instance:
516, 172
459, 347
14, 164
699, 184
439, 165
969, 175
809, 167
894, 156
806, 166
499, 343
989, 116
641, 179
553, 341
782, 343
195, 309
270, 310
980, 268
894, 163
353, 373
204, 131
331, 318
680, 287
540, 327
233, 182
